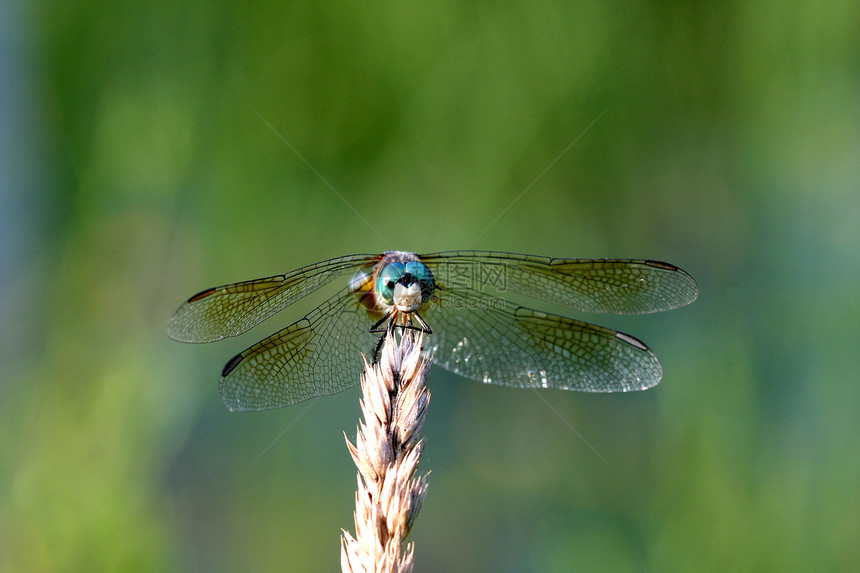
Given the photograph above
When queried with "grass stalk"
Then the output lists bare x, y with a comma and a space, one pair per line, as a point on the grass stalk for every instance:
386, 452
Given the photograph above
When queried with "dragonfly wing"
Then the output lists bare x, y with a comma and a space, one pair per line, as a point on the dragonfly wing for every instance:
621, 286
232, 309
493, 341
318, 355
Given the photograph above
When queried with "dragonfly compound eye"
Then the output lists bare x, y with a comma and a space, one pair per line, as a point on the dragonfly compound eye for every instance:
424, 277
387, 279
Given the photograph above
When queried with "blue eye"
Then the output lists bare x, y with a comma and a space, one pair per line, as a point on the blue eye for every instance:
387, 279
418, 270
424, 277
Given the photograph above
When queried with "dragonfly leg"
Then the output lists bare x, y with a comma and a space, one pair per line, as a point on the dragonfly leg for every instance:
405, 327
375, 329
425, 328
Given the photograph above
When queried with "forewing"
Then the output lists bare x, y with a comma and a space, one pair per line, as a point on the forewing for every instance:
319, 355
493, 341
232, 309
621, 286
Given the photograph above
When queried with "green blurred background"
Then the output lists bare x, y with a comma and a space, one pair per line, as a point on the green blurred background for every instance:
138, 167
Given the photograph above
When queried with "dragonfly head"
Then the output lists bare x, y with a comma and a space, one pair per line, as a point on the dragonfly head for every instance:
405, 286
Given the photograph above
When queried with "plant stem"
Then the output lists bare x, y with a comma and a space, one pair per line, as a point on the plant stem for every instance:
387, 451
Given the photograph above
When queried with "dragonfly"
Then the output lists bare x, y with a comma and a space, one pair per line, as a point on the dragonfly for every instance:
466, 304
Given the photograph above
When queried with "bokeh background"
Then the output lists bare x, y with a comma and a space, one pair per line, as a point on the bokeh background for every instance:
153, 149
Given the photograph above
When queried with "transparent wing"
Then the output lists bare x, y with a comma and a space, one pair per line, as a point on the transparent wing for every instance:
232, 309
492, 341
317, 356
621, 286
